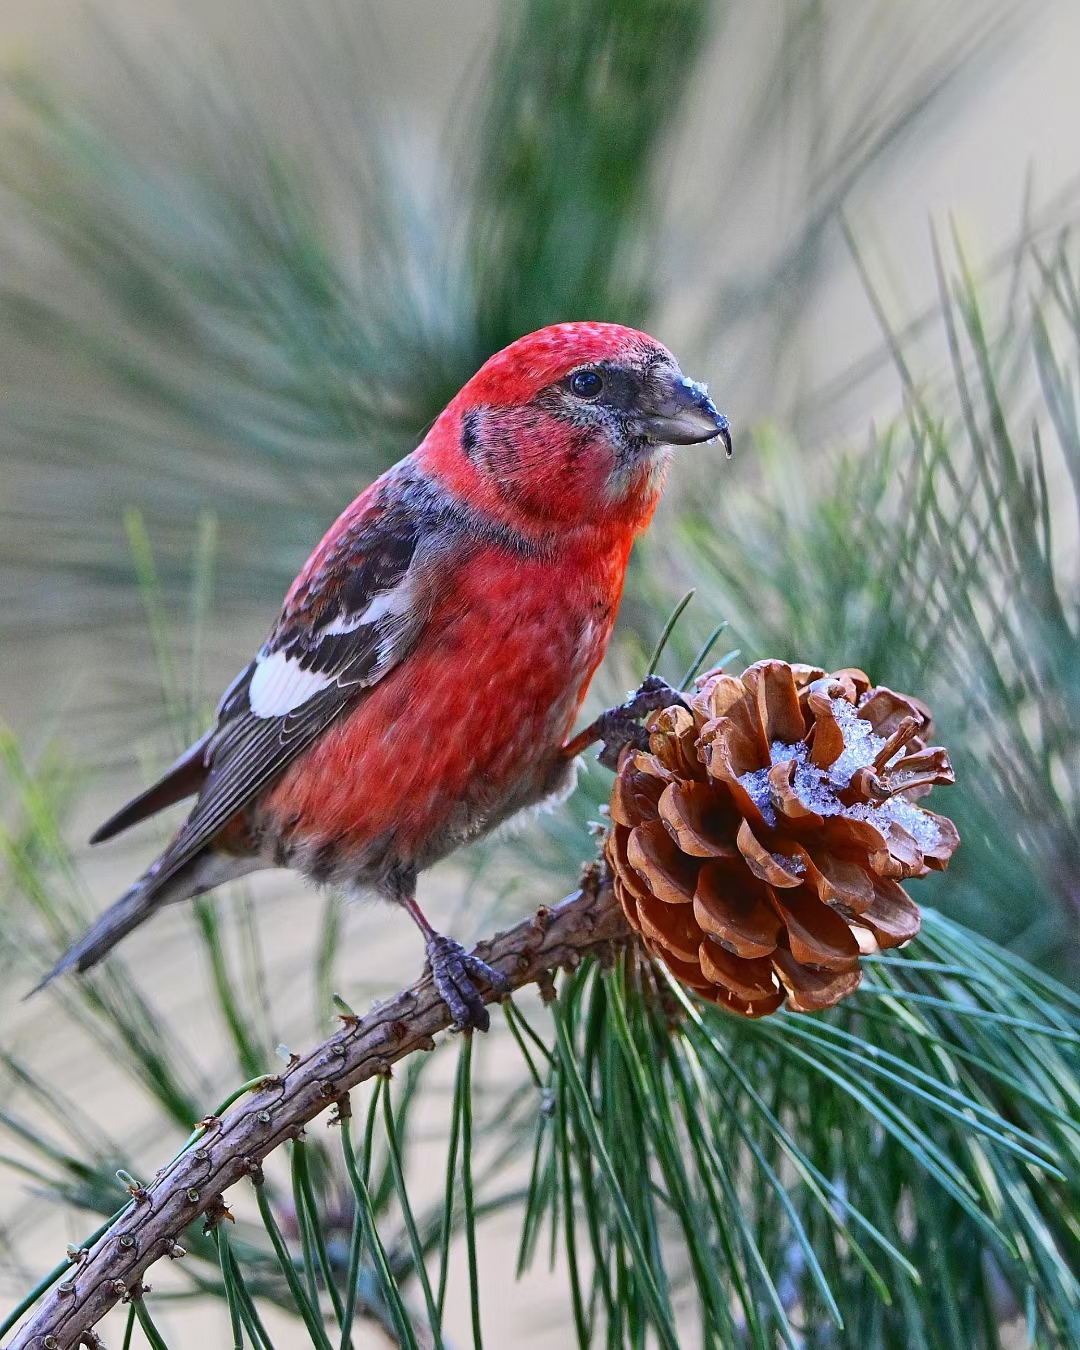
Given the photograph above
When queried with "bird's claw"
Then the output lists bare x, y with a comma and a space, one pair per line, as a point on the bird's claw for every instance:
453, 971
621, 726
618, 730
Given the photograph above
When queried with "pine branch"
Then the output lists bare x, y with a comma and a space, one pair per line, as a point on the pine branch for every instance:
228, 1148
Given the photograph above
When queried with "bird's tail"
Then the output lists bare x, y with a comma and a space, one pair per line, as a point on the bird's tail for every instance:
139, 901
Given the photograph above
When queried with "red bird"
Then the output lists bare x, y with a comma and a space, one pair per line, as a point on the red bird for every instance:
429, 661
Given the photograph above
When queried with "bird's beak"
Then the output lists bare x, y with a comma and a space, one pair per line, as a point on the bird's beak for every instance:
679, 411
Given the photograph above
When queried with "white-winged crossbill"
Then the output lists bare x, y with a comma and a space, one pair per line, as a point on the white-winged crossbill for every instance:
430, 659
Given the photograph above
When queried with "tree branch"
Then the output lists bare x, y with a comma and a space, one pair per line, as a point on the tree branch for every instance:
234, 1145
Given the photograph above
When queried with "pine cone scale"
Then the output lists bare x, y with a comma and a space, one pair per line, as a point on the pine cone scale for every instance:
843, 884
751, 981
673, 926
738, 915
817, 934
668, 872
811, 990
893, 917
775, 869
695, 820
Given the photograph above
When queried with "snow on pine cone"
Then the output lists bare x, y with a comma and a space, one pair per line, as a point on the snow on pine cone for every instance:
758, 846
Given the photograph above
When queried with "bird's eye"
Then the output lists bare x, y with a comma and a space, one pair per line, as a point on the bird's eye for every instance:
586, 384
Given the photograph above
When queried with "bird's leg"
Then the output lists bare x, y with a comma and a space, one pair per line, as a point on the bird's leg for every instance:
453, 971
621, 726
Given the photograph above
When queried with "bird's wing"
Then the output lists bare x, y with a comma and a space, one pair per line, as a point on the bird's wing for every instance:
354, 613
182, 780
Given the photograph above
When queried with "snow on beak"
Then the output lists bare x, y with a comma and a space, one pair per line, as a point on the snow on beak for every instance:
675, 410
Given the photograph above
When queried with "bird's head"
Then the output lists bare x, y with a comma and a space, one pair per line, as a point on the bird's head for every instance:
572, 423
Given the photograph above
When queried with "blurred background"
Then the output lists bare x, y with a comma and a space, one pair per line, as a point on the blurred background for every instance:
247, 252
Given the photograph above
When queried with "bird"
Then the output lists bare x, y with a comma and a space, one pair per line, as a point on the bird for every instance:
422, 679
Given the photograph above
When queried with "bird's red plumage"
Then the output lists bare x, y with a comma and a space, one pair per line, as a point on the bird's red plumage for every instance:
431, 657
545, 480
479, 711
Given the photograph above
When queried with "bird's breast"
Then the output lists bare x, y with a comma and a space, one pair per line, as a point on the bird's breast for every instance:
467, 729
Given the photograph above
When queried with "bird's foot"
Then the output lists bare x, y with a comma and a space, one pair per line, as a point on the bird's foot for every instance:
621, 726
454, 971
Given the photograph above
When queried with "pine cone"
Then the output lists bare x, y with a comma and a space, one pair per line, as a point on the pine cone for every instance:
759, 845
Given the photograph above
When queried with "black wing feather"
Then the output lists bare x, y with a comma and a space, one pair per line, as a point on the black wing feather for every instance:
401, 530
184, 779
